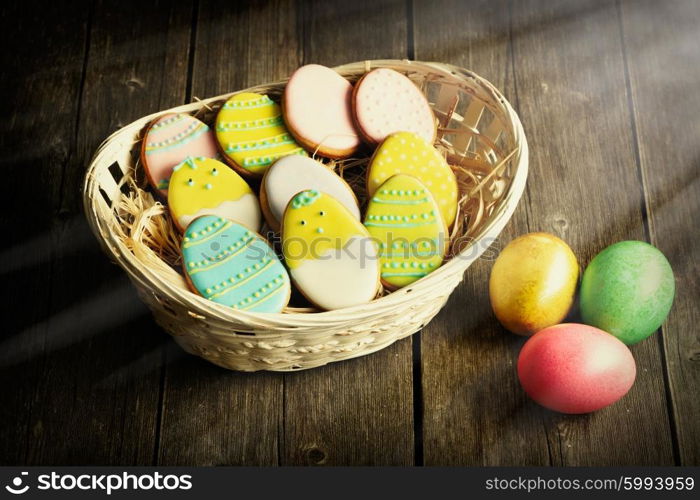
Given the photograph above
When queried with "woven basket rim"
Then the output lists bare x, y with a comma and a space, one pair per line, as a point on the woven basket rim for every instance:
200, 306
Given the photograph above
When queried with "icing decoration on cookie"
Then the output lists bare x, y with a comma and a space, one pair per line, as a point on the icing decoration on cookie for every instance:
171, 139
251, 133
331, 257
406, 153
404, 218
386, 102
318, 111
292, 174
229, 264
203, 186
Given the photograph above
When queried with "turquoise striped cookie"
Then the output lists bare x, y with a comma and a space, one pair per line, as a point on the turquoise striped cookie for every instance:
229, 264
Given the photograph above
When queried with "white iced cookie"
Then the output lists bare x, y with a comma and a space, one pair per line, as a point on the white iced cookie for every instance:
293, 174
202, 186
386, 102
331, 257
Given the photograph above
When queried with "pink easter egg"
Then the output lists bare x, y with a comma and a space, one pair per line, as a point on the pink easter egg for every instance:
574, 368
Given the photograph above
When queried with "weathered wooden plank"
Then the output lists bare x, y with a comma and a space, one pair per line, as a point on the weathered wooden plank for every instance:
661, 42
211, 416
584, 186
97, 399
569, 88
40, 107
474, 411
358, 412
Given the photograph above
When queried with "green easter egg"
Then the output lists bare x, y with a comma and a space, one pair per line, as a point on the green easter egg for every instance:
627, 290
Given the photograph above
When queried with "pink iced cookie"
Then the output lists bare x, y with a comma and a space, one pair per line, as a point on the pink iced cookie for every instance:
318, 111
386, 102
169, 141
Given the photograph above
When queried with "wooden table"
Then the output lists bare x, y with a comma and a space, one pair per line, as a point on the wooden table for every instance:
608, 93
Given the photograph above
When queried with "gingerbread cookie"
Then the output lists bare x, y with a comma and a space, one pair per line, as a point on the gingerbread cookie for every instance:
229, 264
405, 219
252, 135
317, 106
168, 141
203, 186
331, 257
385, 102
407, 153
292, 174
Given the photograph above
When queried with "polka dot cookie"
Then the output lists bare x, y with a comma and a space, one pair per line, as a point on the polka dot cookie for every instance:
317, 105
407, 153
331, 257
292, 174
203, 186
229, 264
404, 218
385, 102
252, 134
168, 141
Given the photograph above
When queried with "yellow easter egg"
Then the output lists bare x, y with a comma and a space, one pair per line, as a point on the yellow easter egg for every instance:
332, 259
252, 135
533, 282
408, 153
405, 220
204, 186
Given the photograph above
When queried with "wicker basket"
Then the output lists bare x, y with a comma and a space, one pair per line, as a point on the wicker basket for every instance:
480, 135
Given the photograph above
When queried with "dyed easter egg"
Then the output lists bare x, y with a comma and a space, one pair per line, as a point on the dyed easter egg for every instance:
169, 141
317, 105
407, 153
572, 368
331, 257
385, 102
229, 264
203, 186
627, 290
293, 174
533, 282
252, 134
404, 219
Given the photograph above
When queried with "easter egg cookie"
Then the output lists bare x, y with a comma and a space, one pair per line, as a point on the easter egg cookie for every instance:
317, 106
331, 257
229, 264
407, 153
404, 218
252, 135
203, 186
292, 174
168, 141
385, 102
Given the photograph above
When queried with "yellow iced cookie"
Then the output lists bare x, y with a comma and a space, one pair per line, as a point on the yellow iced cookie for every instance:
203, 186
331, 257
404, 218
252, 135
407, 153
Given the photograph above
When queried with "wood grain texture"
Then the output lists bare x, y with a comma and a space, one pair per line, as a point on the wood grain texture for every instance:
96, 401
584, 187
664, 70
474, 411
358, 412
37, 140
212, 416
